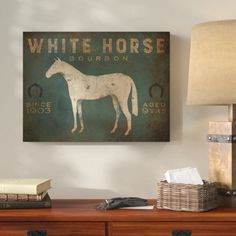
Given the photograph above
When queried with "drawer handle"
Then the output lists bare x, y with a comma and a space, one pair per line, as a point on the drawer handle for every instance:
181, 233
37, 233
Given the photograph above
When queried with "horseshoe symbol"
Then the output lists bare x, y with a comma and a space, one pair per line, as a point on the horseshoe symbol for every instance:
153, 86
35, 85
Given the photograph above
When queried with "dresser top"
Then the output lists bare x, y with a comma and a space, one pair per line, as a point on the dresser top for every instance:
84, 210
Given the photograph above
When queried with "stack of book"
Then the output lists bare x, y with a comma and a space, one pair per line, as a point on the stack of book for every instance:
24, 193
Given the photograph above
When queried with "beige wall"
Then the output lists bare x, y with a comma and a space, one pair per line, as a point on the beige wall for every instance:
105, 170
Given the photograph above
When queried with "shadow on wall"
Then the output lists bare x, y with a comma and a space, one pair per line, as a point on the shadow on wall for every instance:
177, 93
83, 193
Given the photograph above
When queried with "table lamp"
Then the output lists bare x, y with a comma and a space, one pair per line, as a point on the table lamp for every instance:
212, 81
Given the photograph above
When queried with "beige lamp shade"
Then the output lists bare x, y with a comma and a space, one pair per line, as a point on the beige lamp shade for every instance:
212, 68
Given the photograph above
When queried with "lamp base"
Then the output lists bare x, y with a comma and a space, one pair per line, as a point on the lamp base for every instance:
222, 159
222, 153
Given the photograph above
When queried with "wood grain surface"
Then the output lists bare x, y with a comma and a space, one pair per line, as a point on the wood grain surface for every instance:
53, 228
166, 229
84, 210
80, 217
222, 156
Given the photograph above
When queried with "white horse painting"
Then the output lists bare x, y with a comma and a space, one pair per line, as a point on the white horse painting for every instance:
89, 87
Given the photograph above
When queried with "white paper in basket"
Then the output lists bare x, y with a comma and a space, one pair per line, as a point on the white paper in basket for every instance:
186, 175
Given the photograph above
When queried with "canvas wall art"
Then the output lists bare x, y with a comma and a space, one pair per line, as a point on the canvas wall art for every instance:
96, 86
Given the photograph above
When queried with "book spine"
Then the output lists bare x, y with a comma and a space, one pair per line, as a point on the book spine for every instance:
3, 197
12, 197
32, 197
21, 197
25, 205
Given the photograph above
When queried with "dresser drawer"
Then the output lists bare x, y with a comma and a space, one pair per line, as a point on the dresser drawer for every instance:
53, 228
169, 229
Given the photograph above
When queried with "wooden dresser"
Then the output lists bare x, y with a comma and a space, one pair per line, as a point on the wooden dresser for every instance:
79, 217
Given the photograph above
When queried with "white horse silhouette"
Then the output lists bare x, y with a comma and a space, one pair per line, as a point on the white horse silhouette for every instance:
90, 87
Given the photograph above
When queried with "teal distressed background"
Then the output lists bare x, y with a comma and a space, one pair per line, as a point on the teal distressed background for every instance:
99, 115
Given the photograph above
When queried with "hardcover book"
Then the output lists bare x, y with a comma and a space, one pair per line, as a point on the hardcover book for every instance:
24, 185
22, 197
45, 203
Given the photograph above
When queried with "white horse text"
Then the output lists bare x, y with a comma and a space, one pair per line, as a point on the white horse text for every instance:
108, 45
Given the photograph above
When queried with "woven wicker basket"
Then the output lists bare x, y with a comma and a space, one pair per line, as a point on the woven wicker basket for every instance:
187, 197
